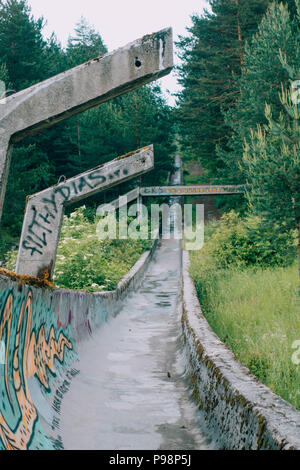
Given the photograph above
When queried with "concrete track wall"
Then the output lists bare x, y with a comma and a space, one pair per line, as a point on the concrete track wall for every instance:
39, 331
240, 411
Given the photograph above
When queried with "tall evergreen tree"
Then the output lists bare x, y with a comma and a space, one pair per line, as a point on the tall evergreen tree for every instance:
23, 63
213, 56
21, 44
260, 83
271, 163
86, 44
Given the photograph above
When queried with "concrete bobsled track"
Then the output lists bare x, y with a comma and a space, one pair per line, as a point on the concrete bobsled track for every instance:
42, 330
132, 391
136, 368
78, 376
114, 370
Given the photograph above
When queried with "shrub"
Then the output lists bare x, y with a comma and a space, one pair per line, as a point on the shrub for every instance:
248, 242
85, 262
10, 259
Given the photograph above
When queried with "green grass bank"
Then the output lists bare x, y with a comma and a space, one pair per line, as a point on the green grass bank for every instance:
254, 309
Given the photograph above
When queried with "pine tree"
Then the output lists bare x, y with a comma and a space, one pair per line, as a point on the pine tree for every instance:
260, 83
271, 163
85, 45
4, 81
21, 44
22, 63
213, 56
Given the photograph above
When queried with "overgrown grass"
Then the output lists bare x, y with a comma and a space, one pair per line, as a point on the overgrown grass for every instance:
256, 312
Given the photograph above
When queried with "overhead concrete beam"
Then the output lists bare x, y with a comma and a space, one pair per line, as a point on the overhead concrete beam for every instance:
197, 190
78, 89
44, 210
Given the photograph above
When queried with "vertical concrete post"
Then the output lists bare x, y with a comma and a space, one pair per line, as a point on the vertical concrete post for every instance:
5, 157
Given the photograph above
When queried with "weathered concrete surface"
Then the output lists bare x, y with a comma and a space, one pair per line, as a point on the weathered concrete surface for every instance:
40, 330
44, 210
241, 412
79, 89
133, 373
195, 190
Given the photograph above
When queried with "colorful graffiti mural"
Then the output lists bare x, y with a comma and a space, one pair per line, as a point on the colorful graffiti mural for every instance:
35, 349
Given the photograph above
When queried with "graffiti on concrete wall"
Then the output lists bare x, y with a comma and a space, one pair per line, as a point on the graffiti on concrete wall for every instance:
34, 350
44, 210
43, 216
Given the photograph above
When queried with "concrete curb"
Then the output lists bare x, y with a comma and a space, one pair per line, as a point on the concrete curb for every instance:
239, 410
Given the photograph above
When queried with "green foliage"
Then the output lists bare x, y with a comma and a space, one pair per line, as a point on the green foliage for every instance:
212, 60
124, 124
246, 242
10, 259
85, 141
21, 44
271, 163
30, 171
85, 262
256, 312
3, 78
86, 44
260, 83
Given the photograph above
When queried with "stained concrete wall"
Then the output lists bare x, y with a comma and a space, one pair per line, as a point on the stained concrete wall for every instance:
239, 410
40, 329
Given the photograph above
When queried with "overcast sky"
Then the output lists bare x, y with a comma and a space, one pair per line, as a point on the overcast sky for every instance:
119, 21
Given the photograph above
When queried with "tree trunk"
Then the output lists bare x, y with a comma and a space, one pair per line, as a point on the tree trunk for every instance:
239, 31
78, 141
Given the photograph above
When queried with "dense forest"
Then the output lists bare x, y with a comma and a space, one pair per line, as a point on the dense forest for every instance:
238, 113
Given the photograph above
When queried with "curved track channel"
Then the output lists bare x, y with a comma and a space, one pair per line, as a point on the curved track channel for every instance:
132, 392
